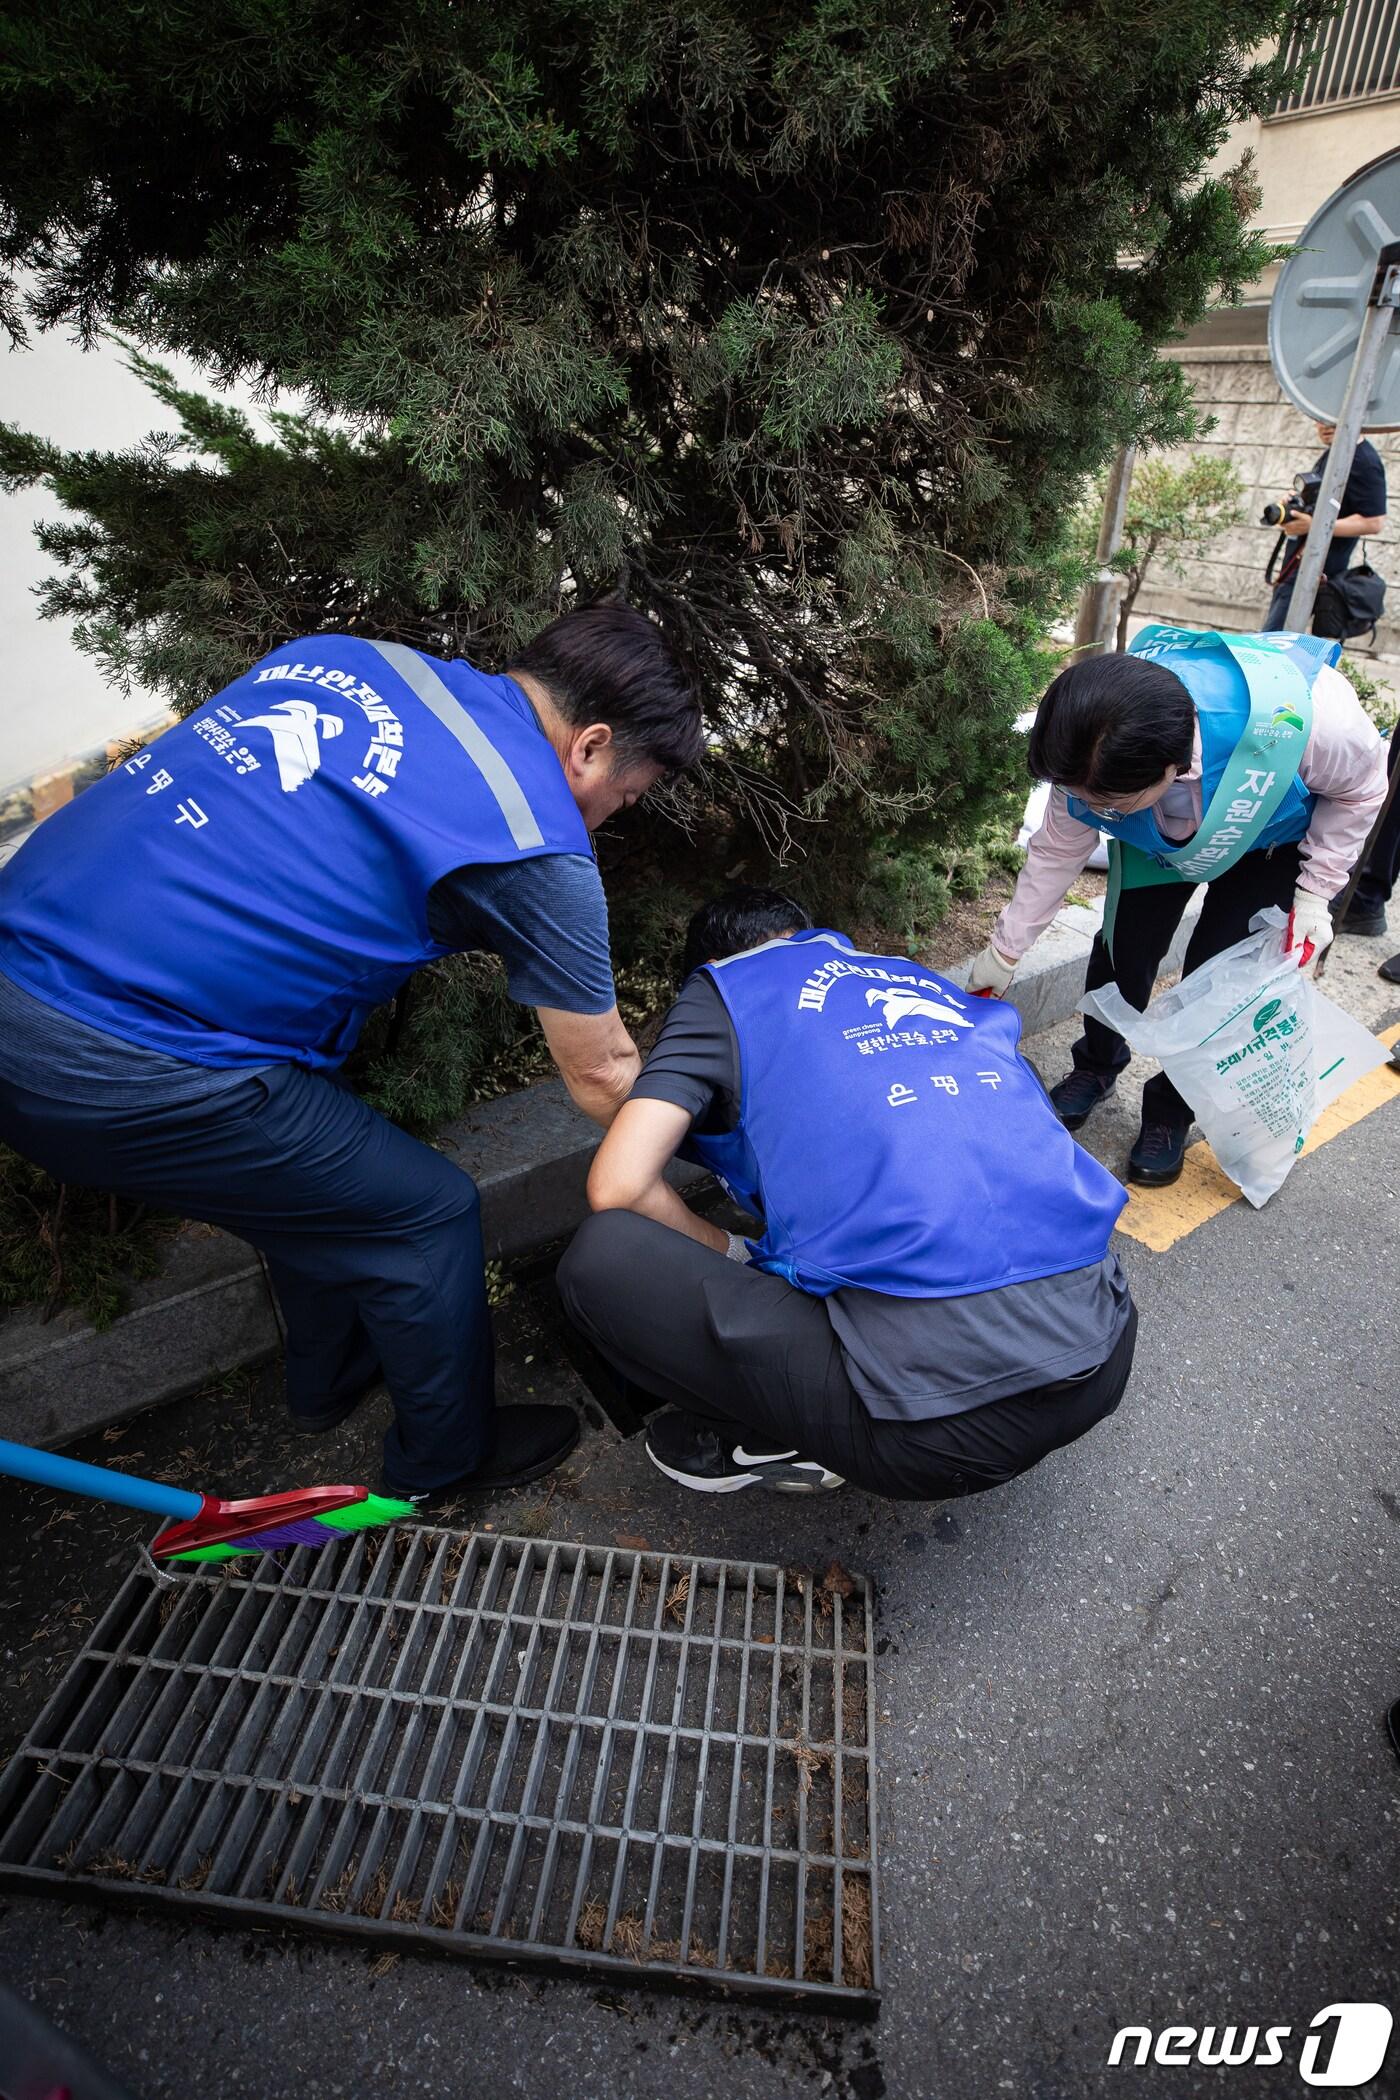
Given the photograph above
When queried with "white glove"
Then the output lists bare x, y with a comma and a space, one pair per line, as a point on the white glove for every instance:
1310, 920
738, 1248
991, 972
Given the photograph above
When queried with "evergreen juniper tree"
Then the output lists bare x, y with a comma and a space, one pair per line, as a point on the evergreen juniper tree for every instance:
800, 324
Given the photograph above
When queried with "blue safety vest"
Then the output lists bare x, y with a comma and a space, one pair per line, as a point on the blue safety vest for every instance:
890, 1135
246, 889
1221, 697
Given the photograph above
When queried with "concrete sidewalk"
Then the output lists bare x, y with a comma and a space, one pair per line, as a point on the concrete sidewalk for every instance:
1131, 1746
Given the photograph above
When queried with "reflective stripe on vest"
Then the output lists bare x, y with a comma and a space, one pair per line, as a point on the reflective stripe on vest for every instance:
416, 671
249, 887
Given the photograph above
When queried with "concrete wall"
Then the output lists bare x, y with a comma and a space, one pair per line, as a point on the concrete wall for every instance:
1269, 442
56, 707
1301, 158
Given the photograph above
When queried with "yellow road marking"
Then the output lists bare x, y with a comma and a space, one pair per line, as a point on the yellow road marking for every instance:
1160, 1217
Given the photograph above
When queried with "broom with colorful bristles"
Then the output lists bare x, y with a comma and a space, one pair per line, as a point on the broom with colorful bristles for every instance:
205, 1527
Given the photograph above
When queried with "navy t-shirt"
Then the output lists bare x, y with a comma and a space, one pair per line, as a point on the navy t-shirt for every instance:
547, 919
1363, 497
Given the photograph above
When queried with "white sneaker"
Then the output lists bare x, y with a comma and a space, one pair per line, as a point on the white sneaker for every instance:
688, 1451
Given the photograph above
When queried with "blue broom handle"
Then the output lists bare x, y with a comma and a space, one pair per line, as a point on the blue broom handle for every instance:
72, 1477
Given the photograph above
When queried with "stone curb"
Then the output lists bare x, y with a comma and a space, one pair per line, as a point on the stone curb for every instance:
209, 1312
1049, 984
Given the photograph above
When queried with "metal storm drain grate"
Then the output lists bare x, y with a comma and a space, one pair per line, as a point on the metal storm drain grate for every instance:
539, 1751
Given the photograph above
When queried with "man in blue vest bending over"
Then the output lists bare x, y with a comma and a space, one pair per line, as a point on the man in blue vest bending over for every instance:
1242, 763
929, 1305
188, 952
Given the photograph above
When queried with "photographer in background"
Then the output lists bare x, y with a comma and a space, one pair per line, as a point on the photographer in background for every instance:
1362, 513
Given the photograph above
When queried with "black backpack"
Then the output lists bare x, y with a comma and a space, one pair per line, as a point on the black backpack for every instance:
1349, 604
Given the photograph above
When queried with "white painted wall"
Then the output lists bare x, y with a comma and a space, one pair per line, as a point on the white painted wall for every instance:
1299, 159
54, 703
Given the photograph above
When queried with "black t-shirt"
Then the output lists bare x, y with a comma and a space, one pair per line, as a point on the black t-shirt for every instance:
910, 1359
1363, 497
695, 1061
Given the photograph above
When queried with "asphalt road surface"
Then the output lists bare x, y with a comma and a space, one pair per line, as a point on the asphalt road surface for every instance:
1131, 1752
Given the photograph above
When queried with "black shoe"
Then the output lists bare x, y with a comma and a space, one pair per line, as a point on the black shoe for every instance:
1390, 970
531, 1440
1159, 1154
690, 1453
1078, 1095
332, 1417
1363, 925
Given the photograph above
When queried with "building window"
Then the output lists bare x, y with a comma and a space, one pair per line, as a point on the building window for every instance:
1354, 56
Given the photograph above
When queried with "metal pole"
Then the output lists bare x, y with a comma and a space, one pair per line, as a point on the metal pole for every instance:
1099, 598
1375, 329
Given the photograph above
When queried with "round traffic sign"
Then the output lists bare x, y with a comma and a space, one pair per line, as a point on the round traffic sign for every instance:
1320, 300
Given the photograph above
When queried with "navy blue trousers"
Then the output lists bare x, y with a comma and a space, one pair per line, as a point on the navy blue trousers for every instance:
1276, 619
373, 1240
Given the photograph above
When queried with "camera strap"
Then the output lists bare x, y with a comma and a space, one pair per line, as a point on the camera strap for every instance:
1290, 567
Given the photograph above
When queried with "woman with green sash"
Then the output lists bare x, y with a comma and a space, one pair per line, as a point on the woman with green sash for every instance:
1243, 763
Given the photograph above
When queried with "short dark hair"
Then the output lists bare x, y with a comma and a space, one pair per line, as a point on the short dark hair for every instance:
737, 919
610, 663
1111, 726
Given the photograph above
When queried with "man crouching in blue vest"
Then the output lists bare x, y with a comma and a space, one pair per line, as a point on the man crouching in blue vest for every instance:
188, 952
930, 1306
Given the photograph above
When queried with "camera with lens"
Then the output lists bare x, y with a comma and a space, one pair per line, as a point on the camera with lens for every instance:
1304, 497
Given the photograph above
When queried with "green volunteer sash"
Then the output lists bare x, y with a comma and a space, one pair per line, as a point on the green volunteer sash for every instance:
1270, 750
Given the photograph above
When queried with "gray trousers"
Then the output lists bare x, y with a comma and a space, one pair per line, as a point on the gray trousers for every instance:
756, 1358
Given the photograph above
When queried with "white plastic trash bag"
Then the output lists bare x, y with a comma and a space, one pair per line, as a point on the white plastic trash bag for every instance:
1254, 1046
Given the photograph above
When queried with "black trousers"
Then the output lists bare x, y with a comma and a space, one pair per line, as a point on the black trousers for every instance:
1147, 919
1377, 878
757, 1359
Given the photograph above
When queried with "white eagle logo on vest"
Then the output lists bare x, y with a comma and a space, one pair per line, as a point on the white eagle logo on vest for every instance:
900, 1005
295, 727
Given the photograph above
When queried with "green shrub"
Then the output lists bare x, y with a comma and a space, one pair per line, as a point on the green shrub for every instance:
1377, 698
798, 325
1172, 513
69, 1245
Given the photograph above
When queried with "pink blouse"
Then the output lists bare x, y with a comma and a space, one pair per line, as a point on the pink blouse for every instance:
1343, 763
